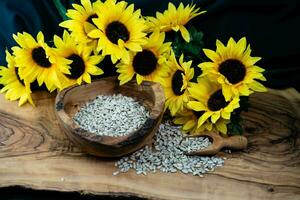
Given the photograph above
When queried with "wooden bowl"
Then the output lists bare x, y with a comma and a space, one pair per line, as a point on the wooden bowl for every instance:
69, 101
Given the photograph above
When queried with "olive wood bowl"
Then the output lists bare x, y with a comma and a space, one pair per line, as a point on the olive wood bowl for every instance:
69, 101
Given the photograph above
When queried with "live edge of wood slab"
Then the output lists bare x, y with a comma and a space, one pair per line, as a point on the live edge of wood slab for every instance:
34, 153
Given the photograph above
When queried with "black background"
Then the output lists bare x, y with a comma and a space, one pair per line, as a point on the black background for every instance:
271, 27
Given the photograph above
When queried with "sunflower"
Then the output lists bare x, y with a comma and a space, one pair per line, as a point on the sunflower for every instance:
234, 68
82, 64
149, 64
209, 100
119, 29
174, 19
81, 21
189, 119
38, 61
176, 82
14, 87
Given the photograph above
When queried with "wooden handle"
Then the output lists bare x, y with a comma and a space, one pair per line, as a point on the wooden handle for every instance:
236, 142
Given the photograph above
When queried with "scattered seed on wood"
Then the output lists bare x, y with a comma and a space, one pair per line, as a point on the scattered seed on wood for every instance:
168, 155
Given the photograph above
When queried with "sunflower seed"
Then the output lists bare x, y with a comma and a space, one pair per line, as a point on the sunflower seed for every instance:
115, 115
116, 173
168, 155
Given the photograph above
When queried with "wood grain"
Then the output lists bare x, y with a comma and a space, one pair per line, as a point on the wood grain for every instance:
34, 153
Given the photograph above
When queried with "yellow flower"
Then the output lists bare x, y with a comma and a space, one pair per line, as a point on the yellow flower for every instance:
81, 21
234, 68
209, 99
149, 64
119, 29
14, 87
176, 82
189, 120
82, 65
174, 19
37, 61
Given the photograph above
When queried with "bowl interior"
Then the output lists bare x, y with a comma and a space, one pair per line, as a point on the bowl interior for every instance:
80, 95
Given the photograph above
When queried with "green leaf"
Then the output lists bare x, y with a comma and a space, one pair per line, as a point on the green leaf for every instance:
234, 127
61, 9
192, 49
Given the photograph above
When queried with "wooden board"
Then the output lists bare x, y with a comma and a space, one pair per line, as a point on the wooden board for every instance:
34, 153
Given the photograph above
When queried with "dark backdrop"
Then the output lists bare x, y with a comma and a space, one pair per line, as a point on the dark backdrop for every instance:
271, 26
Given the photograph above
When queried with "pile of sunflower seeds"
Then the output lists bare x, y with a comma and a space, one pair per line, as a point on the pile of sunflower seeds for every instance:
167, 155
115, 115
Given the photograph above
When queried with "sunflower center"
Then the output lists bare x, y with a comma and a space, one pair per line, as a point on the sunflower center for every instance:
90, 19
39, 56
216, 101
115, 31
198, 114
234, 70
18, 77
144, 63
77, 67
177, 82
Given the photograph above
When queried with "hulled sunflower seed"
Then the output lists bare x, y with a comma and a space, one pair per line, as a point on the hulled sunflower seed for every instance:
115, 115
167, 154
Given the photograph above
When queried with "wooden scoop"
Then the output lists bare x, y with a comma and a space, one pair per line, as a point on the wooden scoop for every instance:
236, 142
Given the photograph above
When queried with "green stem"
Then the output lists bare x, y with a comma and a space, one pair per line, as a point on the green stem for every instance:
61, 9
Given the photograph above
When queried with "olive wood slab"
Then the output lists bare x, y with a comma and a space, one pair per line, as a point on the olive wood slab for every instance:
35, 153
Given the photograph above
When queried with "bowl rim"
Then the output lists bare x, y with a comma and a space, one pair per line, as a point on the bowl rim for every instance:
155, 115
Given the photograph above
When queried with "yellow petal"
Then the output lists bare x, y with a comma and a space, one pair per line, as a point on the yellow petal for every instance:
94, 33
220, 46
203, 118
133, 46
97, 71
185, 33
258, 69
139, 79
87, 78
211, 54
40, 37
225, 115
215, 117
226, 91
244, 90
22, 100
231, 43
114, 59
241, 45
196, 105
180, 120
222, 127
189, 125
176, 28
257, 87
79, 81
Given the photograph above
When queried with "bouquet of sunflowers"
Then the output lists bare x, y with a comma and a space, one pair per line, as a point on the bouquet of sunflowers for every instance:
204, 89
